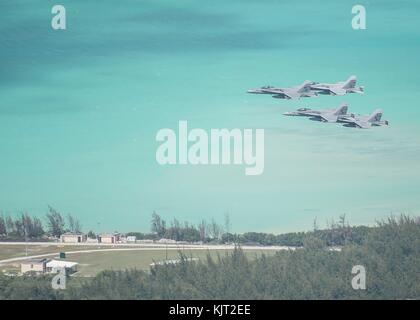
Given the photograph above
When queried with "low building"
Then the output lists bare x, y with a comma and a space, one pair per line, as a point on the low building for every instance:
34, 265
109, 238
131, 239
70, 237
55, 266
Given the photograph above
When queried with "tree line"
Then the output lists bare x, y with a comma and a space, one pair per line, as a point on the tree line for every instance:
390, 255
204, 231
336, 233
25, 227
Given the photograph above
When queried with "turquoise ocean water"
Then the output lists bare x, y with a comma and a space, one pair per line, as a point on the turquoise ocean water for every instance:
80, 108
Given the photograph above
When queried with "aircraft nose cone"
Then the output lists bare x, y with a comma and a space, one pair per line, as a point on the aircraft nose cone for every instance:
255, 91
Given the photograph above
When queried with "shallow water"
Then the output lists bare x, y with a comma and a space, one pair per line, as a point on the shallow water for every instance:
80, 108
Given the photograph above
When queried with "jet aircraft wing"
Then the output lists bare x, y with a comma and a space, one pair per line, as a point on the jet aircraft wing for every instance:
362, 124
291, 94
338, 91
329, 117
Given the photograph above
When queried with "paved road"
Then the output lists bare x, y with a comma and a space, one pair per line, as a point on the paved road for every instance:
135, 247
142, 245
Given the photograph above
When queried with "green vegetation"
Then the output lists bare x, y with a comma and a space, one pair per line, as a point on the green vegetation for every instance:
21, 228
336, 234
90, 264
28, 288
390, 252
24, 227
8, 251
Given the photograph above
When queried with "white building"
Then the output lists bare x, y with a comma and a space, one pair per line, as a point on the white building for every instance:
34, 265
55, 266
70, 237
109, 238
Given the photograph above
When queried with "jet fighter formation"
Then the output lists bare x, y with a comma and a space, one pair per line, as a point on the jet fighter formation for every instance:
326, 115
364, 121
303, 90
338, 89
313, 89
340, 115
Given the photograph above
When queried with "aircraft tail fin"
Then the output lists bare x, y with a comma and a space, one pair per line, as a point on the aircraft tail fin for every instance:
305, 86
350, 82
375, 116
341, 110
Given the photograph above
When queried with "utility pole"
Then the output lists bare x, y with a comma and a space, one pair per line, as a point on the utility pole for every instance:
98, 233
26, 236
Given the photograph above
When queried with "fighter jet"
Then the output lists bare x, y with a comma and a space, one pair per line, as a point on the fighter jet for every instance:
325, 115
339, 88
303, 90
364, 121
